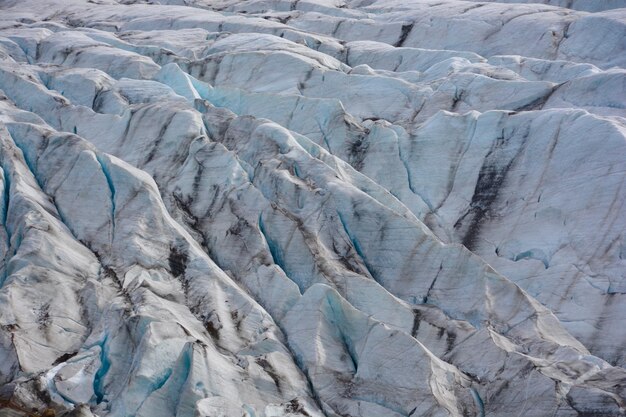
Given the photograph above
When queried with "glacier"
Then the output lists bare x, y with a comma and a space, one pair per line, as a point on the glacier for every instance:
267, 208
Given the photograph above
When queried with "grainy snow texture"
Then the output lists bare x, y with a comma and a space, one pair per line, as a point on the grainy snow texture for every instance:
341, 208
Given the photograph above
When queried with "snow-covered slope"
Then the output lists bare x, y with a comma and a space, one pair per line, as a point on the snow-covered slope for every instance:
312, 208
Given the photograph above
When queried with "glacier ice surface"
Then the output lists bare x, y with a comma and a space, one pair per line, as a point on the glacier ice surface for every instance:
312, 208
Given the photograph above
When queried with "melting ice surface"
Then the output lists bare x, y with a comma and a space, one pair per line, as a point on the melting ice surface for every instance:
312, 208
